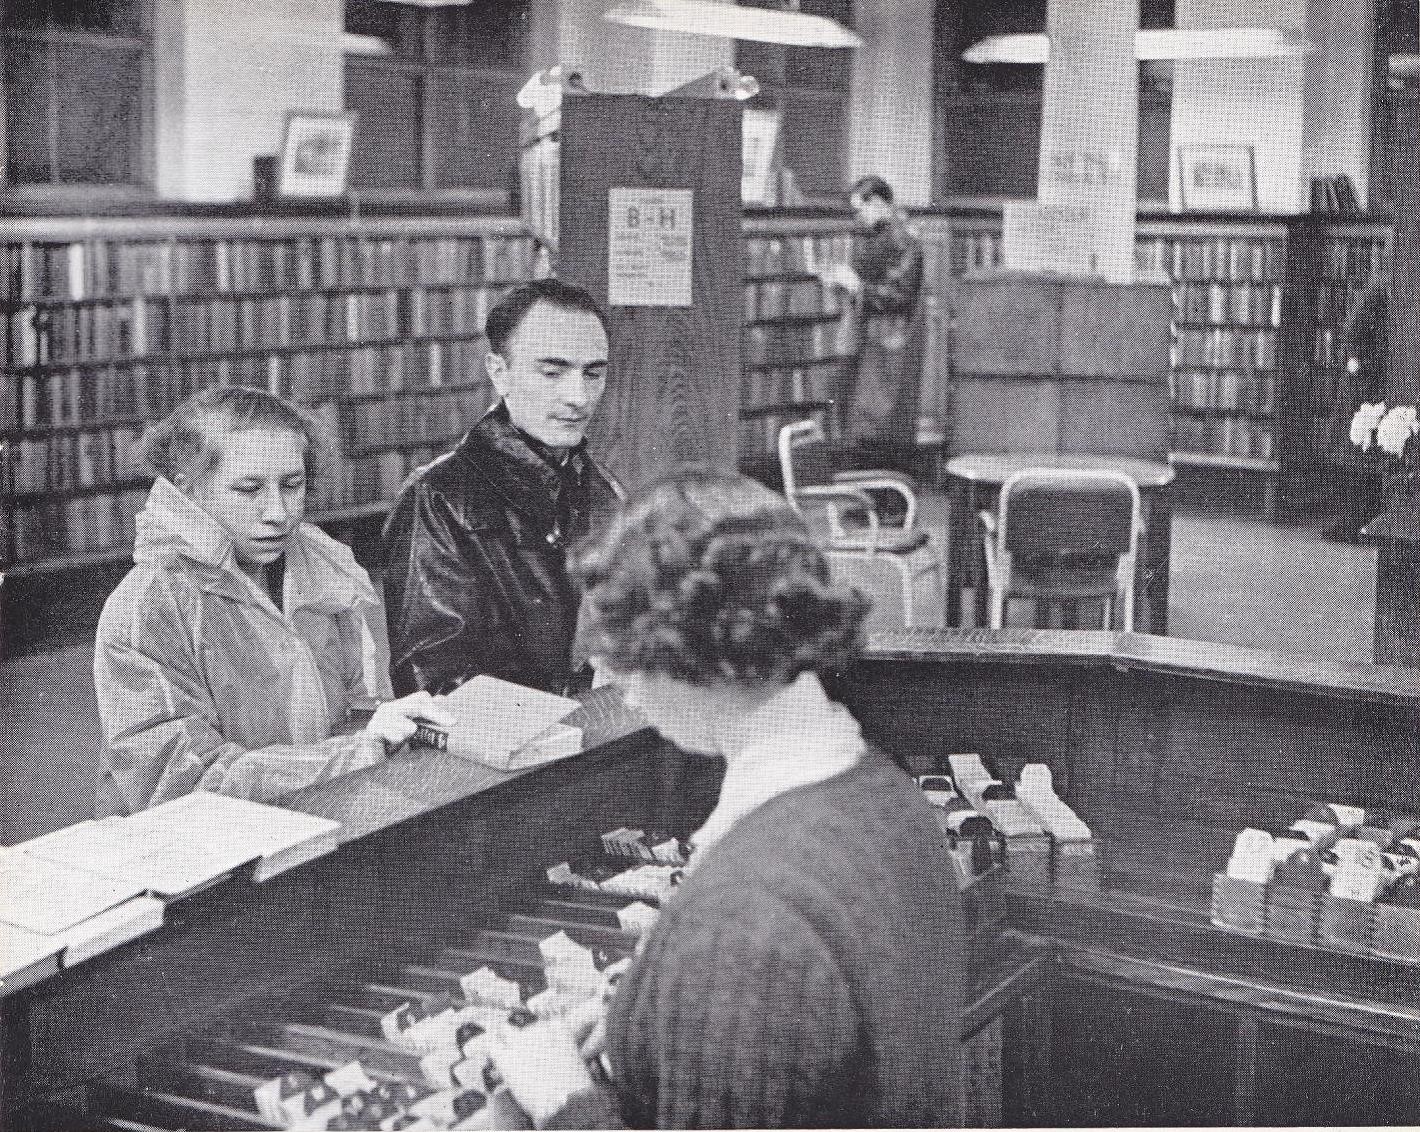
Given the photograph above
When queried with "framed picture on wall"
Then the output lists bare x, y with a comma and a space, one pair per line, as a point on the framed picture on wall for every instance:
315, 153
1217, 178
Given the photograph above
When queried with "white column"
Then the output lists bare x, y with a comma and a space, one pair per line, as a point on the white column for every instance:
1244, 102
890, 104
1089, 131
225, 76
1337, 108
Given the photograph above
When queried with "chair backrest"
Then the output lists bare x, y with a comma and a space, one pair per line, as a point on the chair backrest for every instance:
1057, 513
803, 456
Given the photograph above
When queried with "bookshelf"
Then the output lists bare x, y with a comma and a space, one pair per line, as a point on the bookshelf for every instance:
1329, 264
1253, 353
376, 327
1227, 313
795, 339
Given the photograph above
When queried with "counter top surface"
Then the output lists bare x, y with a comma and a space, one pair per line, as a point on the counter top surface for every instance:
1143, 652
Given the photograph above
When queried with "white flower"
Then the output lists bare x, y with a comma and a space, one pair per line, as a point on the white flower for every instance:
1399, 425
1363, 424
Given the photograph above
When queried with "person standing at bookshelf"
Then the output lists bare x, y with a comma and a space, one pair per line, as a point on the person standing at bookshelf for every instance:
476, 575
232, 654
884, 280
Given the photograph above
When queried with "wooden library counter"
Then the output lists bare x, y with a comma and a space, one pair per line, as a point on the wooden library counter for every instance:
1108, 1002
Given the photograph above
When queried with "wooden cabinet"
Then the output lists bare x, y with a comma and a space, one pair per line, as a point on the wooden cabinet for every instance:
1058, 365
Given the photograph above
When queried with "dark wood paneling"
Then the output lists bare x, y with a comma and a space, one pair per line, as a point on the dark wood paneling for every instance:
673, 394
1059, 366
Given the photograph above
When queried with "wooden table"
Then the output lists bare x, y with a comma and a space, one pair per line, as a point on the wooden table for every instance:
973, 482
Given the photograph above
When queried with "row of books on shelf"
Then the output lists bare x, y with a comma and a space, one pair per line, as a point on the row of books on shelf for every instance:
1223, 348
1239, 304
141, 327
1329, 347
777, 299
53, 526
786, 255
791, 343
1335, 299
103, 268
975, 251
1226, 259
78, 459
120, 392
820, 382
68, 461
1223, 436
1234, 391
397, 422
1357, 259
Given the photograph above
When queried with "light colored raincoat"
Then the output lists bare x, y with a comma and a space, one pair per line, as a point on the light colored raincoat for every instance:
203, 684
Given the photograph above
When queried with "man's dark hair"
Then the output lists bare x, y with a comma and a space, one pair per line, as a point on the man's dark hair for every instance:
871, 186
508, 313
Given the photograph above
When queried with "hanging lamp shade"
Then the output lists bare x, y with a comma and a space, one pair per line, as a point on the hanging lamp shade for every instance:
431, 3
784, 25
1156, 43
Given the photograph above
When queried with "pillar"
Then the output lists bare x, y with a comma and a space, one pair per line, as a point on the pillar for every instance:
890, 101
225, 76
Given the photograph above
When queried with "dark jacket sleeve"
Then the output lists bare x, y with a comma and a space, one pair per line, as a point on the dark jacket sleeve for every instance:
895, 291
444, 625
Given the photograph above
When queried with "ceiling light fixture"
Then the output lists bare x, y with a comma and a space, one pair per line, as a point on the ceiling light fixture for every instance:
1156, 43
431, 3
784, 24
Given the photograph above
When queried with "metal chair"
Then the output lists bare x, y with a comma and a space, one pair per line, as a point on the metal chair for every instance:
1063, 536
890, 562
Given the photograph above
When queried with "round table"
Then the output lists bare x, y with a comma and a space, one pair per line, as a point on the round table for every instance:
974, 480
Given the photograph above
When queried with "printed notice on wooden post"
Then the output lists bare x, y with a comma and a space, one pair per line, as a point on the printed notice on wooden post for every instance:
649, 247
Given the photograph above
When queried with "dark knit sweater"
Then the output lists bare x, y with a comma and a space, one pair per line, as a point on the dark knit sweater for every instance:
808, 973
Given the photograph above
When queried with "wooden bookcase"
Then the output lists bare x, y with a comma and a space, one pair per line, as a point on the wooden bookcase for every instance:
377, 327
796, 341
1253, 357
1329, 264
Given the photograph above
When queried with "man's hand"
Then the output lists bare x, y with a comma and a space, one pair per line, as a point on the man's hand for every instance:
397, 720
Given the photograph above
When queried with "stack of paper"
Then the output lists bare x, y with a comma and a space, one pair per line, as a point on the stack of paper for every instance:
52, 912
180, 846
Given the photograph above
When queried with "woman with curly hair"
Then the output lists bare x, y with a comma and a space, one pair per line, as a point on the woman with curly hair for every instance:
808, 972
229, 657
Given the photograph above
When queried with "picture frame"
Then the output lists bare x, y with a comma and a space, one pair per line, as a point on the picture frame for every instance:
315, 154
1217, 178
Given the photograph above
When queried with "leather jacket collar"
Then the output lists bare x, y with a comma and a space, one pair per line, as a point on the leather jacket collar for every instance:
520, 470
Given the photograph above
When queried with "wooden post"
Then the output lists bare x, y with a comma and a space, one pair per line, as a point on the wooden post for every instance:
674, 390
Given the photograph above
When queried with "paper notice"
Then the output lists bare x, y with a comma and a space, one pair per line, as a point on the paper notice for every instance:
649, 251
1049, 237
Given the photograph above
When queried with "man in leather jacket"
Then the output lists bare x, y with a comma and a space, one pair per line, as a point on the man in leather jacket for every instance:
475, 547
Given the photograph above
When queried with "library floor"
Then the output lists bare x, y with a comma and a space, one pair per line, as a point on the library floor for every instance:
1236, 580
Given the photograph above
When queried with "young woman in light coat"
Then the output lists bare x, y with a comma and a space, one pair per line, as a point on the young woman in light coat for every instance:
230, 656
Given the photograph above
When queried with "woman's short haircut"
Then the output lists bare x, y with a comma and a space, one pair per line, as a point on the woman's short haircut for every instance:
711, 578
508, 313
184, 443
